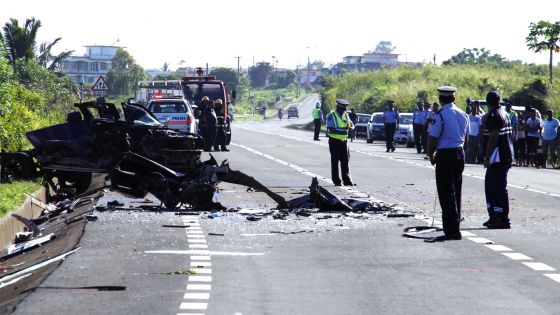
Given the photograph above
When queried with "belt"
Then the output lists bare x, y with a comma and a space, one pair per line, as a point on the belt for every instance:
450, 149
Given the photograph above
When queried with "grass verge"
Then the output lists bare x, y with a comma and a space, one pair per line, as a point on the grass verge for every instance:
12, 195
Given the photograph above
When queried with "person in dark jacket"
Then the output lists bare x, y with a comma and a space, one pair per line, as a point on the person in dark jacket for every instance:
210, 121
498, 141
221, 127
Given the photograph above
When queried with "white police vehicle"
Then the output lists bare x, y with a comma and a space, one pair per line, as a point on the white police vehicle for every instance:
174, 112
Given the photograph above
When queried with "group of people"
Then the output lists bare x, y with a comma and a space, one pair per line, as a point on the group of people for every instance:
528, 129
212, 122
421, 118
445, 135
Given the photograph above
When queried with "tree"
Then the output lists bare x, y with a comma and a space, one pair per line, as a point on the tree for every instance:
228, 75
384, 47
20, 43
124, 74
544, 35
260, 73
472, 56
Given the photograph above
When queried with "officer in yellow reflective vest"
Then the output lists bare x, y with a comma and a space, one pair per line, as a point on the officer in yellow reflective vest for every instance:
338, 124
317, 120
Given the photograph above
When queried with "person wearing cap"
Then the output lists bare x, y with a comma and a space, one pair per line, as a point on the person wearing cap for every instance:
498, 141
391, 120
199, 113
221, 119
418, 118
446, 138
338, 124
317, 121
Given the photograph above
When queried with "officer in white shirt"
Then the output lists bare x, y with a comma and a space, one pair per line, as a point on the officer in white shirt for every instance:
446, 138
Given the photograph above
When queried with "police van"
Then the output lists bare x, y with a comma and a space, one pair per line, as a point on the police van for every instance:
174, 112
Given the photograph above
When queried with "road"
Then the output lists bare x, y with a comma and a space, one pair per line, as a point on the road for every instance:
310, 265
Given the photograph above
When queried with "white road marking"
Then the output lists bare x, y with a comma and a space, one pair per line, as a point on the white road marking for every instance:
200, 257
197, 240
193, 228
201, 270
553, 276
197, 296
467, 234
200, 278
193, 306
200, 263
538, 266
195, 235
194, 232
499, 248
190, 314
480, 240
198, 246
199, 287
517, 256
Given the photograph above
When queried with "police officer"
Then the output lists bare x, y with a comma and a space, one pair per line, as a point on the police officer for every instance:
498, 141
391, 120
338, 124
418, 126
211, 120
446, 138
317, 121
221, 118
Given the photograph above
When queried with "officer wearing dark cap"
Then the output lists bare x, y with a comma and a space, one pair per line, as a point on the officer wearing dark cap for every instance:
446, 137
338, 124
498, 141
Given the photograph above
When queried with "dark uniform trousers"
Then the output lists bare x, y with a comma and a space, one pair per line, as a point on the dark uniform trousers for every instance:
339, 153
418, 136
390, 129
495, 186
317, 123
449, 178
209, 135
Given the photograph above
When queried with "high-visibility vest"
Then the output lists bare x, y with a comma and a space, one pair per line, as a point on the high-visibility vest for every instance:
340, 130
316, 113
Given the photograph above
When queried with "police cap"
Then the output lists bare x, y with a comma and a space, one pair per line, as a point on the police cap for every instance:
447, 90
342, 102
205, 98
218, 101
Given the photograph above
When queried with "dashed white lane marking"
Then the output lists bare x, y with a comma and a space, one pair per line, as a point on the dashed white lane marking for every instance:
193, 306
200, 266
200, 257
517, 256
190, 314
197, 296
553, 276
396, 160
499, 248
198, 246
473, 237
538, 266
480, 240
199, 287
200, 278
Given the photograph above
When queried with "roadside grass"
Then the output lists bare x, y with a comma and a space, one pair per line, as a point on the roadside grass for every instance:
248, 118
12, 195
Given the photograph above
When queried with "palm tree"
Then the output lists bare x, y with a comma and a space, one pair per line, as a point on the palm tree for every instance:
544, 35
20, 43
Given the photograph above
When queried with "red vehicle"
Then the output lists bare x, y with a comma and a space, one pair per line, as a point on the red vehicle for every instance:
196, 87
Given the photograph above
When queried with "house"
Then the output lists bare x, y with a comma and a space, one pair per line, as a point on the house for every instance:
369, 61
94, 63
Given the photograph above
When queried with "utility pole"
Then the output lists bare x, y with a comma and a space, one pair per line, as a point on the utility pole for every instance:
308, 74
238, 71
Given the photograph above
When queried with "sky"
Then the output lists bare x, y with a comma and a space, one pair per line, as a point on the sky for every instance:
288, 31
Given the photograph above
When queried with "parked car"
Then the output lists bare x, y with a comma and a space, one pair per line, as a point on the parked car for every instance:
375, 128
176, 113
362, 124
405, 134
293, 112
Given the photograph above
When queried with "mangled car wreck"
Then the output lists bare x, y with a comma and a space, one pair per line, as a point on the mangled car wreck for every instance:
139, 154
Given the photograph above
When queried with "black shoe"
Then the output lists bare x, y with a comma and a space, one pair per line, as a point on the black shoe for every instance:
487, 222
393, 149
443, 238
225, 150
337, 184
498, 224
387, 150
349, 184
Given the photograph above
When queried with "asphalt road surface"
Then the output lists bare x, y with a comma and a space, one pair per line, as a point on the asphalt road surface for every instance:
226, 264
